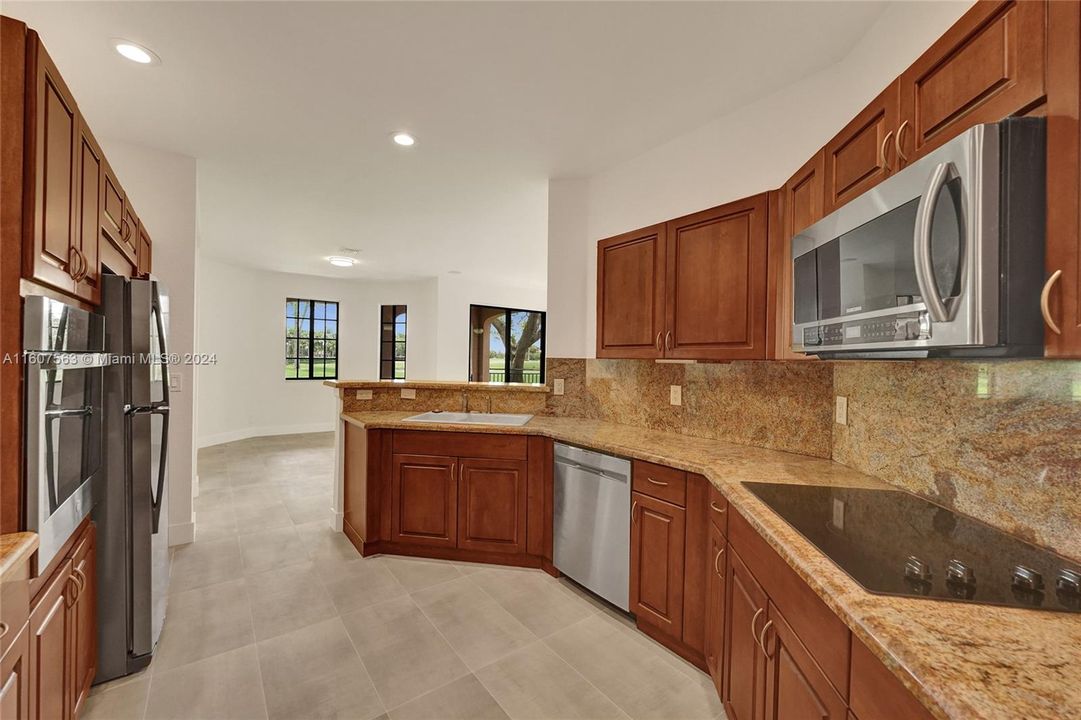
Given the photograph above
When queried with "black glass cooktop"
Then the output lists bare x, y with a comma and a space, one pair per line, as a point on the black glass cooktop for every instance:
894, 543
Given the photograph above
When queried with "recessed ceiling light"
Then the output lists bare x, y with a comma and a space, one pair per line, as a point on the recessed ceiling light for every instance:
403, 138
338, 261
136, 52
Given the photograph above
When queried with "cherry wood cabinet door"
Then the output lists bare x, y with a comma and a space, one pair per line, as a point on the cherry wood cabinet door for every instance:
988, 65
50, 634
424, 500
716, 282
715, 602
863, 153
802, 205
53, 138
91, 175
876, 692
630, 294
492, 498
1062, 331
658, 531
15, 677
145, 246
796, 688
84, 619
743, 663
116, 225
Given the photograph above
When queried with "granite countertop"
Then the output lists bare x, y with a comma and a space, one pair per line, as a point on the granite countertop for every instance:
961, 660
434, 385
16, 549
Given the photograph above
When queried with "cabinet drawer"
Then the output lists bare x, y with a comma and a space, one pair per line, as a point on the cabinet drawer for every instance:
718, 510
661, 482
460, 444
878, 693
824, 634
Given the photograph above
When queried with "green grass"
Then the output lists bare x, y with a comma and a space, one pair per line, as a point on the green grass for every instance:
322, 369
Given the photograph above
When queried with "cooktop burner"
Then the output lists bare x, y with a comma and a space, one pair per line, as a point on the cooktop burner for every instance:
895, 543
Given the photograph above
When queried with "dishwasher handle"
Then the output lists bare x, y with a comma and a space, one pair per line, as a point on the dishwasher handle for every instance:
591, 470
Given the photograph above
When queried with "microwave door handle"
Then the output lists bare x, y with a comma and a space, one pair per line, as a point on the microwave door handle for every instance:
925, 214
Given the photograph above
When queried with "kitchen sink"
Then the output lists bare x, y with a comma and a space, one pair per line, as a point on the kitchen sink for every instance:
473, 418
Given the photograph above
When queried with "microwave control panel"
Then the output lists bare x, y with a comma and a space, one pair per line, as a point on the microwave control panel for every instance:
891, 329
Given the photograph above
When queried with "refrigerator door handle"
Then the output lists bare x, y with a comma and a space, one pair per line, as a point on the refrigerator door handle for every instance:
162, 410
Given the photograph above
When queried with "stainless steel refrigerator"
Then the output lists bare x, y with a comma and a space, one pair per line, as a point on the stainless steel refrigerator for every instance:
133, 514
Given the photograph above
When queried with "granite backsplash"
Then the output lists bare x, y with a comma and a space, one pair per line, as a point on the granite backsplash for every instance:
1000, 441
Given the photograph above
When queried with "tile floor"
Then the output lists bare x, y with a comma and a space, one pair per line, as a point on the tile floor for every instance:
274, 615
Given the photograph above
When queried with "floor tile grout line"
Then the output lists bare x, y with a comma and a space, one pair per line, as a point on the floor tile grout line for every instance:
258, 663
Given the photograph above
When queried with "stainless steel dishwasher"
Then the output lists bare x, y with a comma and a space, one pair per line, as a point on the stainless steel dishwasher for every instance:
592, 519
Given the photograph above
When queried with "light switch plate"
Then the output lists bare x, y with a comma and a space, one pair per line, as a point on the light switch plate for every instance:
675, 394
409, 394
176, 382
840, 414
557, 386
364, 395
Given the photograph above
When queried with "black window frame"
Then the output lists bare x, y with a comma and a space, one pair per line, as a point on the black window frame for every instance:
507, 312
391, 346
308, 334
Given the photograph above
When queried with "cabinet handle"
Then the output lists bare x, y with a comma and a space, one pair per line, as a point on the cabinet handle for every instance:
1045, 297
82, 579
668, 340
656, 482
716, 559
657, 342
3, 629
898, 142
634, 506
75, 591
72, 265
716, 509
762, 639
125, 230
83, 266
885, 144
754, 620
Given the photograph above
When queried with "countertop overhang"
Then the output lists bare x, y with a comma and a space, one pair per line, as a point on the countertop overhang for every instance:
960, 660
434, 385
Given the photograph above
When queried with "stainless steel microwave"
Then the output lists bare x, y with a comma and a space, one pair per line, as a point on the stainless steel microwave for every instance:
943, 259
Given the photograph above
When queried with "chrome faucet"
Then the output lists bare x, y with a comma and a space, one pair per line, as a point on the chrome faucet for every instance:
465, 401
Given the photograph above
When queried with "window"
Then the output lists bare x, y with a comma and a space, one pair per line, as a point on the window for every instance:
506, 345
392, 342
311, 339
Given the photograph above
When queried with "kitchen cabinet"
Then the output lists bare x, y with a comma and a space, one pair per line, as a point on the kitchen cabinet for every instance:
693, 288
715, 606
53, 146
89, 212
50, 655
878, 693
424, 491
743, 663
144, 264
492, 505
84, 633
715, 289
116, 216
1061, 296
861, 155
630, 294
15, 676
795, 686
657, 544
987, 66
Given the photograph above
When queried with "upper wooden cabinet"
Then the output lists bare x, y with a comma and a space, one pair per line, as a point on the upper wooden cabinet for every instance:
630, 294
116, 217
144, 253
862, 154
89, 210
694, 288
1063, 289
52, 173
988, 66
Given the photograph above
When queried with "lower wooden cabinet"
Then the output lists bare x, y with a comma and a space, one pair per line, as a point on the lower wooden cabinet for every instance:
424, 498
51, 677
492, 505
795, 686
15, 677
743, 692
715, 605
658, 531
84, 633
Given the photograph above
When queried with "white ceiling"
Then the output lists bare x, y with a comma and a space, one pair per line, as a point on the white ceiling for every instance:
289, 106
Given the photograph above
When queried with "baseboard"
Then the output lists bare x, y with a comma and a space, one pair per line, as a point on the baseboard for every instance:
182, 533
338, 521
266, 431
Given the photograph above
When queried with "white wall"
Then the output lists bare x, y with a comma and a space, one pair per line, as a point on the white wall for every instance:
242, 321
456, 294
751, 150
162, 187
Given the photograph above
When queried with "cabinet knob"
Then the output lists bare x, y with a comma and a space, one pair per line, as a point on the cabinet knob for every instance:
1045, 298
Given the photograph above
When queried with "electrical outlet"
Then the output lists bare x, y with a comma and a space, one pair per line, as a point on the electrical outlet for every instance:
840, 414
557, 386
838, 519
675, 394
409, 394
364, 395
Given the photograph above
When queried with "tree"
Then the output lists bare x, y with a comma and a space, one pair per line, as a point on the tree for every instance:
529, 333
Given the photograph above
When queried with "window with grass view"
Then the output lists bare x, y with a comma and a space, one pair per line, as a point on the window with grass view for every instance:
311, 339
506, 345
392, 342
